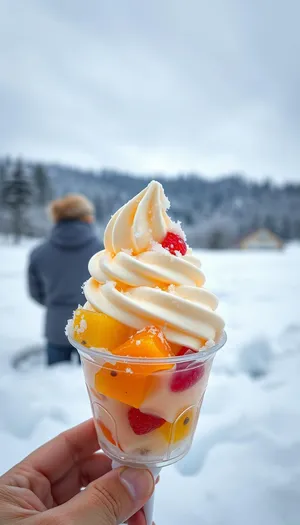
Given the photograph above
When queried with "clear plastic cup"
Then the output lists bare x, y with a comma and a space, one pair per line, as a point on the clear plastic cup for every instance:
124, 391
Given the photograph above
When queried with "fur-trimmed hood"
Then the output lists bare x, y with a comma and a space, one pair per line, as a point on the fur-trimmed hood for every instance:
71, 207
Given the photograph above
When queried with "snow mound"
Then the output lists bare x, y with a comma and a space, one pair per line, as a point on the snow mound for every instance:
37, 405
255, 358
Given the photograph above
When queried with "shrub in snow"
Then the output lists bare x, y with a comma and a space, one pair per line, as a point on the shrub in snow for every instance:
255, 358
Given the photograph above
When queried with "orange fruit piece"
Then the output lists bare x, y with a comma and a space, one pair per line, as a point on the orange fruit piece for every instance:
127, 387
128, 382
98, 330
147, 343
106, 432
181, 428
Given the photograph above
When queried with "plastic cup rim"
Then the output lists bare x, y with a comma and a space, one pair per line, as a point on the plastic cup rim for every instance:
97, 354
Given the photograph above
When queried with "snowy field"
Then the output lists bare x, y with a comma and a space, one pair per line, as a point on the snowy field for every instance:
244, 467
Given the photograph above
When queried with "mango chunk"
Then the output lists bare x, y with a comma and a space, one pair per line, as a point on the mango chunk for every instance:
123, 386
107, 433
128, 382
98, 330
181, 428
147, 343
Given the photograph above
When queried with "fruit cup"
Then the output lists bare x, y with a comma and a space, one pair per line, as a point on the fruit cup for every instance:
145, 409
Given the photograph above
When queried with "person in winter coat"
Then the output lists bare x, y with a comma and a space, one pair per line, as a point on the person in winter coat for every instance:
58, 267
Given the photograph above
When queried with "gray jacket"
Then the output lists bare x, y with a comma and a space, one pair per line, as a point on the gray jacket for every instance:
57, 269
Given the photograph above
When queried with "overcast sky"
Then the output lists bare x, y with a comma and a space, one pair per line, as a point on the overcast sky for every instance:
160, 85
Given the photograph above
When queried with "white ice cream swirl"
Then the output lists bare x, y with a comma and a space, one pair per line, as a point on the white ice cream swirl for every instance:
139, 283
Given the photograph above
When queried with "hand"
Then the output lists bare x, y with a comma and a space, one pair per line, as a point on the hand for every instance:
45, 488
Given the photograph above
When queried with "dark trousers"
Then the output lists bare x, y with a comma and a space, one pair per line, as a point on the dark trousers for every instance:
59, 353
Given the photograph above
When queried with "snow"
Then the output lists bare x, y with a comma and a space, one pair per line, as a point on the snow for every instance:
82, 326
255, 358
178, 230
244, 466
157, 247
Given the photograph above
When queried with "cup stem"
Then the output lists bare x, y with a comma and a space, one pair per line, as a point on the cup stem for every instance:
149, 506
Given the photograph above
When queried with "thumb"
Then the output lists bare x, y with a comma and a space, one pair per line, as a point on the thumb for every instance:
111, 499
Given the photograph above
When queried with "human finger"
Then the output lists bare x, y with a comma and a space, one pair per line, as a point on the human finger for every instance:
109, 500
137, 519
58, 456
79, 476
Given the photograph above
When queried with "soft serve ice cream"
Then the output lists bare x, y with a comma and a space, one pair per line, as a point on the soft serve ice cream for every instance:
143, 283
143, 331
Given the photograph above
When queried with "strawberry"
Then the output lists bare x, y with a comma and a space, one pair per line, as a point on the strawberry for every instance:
174, 243
186, 375
185, 350
143, 423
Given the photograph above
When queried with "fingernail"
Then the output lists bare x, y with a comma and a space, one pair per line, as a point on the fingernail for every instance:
138, 482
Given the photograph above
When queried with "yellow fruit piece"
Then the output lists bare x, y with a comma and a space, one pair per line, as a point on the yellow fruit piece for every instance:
130, 383
181, 428
98, 330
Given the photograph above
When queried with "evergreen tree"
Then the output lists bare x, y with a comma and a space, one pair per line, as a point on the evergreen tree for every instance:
42, 184
2, 180
269, 223
286, 228
296, 232
216, 240
99, 208
17, 194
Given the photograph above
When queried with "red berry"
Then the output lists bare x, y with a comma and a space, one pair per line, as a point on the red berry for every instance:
143, 423
186, 375
174, 243
185, 350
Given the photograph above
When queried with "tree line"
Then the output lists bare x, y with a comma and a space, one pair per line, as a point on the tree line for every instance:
215, 213
21, 188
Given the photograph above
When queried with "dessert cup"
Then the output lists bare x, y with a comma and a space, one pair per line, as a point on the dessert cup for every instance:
147, 336
125, 392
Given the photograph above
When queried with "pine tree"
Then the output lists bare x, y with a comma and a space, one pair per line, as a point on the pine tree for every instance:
42, 184
286, 228
216, 240
269, 223
2, 180
17, 194
296, 230
99, 208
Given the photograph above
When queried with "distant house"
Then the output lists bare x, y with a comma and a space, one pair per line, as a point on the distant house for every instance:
262, 239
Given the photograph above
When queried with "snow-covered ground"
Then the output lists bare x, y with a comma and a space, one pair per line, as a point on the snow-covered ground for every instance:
244, 467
